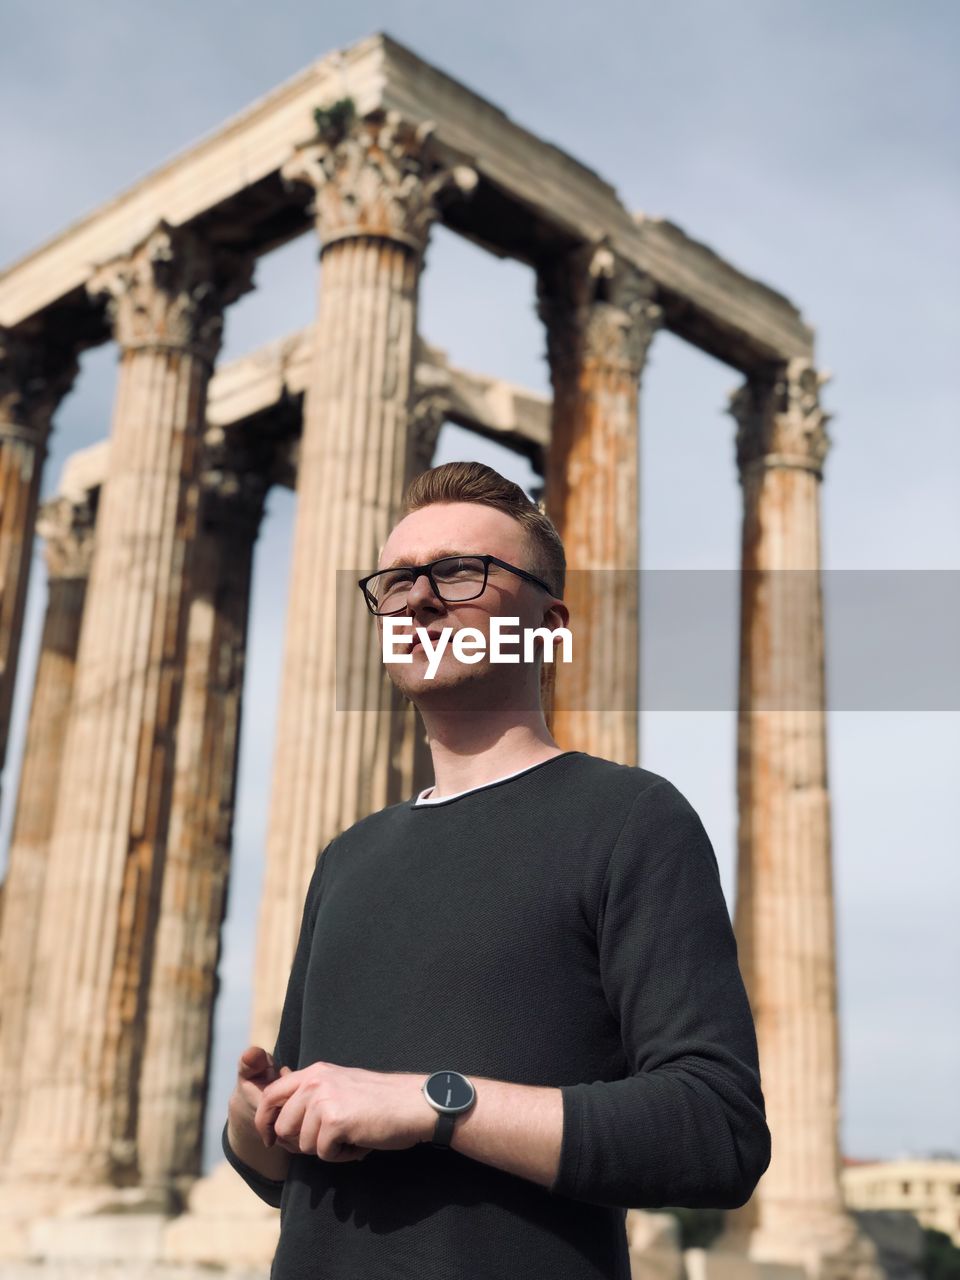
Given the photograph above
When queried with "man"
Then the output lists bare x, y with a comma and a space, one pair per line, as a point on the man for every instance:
515, 1008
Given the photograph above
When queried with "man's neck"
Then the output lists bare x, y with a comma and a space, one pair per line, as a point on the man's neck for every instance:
468, 751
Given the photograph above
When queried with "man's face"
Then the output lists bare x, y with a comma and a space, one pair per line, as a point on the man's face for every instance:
465, 528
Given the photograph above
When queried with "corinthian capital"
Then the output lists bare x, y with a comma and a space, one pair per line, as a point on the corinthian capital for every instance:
170, 291
67, 527
381, 178
779, 419
597, 309
236, 472
432, 397
34, 377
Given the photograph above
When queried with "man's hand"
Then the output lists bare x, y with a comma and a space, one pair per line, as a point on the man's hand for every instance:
344, 1113
255, 1070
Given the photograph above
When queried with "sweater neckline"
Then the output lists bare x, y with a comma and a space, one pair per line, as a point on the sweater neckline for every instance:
487, 786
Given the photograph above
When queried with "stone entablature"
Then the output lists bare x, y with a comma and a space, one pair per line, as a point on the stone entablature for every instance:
548, 200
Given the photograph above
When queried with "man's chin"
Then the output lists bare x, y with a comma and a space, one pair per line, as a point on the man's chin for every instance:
412, 681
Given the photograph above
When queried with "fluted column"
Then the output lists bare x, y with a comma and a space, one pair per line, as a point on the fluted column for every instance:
184, 980
432, 394
600, 316
377, 184
66, 525
784, 915
33, 379
87, 1020
412, 762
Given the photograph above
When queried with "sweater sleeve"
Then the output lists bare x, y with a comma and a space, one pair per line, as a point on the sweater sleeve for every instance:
687, 1127
286, 1051
268, 1189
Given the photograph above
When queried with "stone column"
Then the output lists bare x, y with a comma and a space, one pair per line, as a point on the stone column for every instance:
432, 393
184, 980
33, 379
600, 317
784, 916
413, 763
377, 185
67, 527
87, 1021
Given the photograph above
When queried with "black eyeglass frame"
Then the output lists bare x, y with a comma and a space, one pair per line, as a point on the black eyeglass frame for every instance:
415, 570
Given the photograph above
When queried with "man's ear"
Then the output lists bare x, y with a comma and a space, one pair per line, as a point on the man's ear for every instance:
558, 615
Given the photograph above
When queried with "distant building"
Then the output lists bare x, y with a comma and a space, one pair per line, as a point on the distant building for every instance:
929, 1189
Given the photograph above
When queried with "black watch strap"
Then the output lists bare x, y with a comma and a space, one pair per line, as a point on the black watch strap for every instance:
443, 1131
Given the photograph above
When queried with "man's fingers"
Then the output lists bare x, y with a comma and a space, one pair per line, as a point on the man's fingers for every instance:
254, 1061
269, 1107
280, 1089
263, 1122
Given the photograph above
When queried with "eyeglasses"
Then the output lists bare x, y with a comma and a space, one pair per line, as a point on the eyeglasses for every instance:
453, 579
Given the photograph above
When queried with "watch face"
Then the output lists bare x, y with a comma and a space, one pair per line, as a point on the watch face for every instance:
449, 1090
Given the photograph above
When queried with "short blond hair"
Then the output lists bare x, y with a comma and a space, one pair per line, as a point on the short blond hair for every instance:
475, 482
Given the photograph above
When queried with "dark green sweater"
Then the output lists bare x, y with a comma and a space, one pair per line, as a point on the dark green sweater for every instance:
565, 927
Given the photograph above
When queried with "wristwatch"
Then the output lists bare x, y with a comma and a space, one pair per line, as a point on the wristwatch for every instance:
450, 1094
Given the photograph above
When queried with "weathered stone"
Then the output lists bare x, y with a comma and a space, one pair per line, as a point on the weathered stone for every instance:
784, 915
183, 986
67, 525
85, 1036
600, 316
34, 377
546, 192
376, 192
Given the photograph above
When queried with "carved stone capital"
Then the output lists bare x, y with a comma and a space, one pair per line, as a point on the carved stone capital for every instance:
34, 378
779, 419
432, 395
171, 290
597, 309
381, 179
67, 527
233, 483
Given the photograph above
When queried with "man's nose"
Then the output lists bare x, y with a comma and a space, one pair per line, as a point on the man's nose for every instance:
421, 592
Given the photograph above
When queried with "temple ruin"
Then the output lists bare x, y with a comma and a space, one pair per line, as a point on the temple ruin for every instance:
117, 874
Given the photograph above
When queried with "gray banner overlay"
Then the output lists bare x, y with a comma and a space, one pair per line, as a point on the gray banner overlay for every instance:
891, 638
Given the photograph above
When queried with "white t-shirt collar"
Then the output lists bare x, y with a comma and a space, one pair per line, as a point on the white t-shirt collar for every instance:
425, 798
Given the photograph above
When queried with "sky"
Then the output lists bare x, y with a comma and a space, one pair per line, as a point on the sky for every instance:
811, 145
